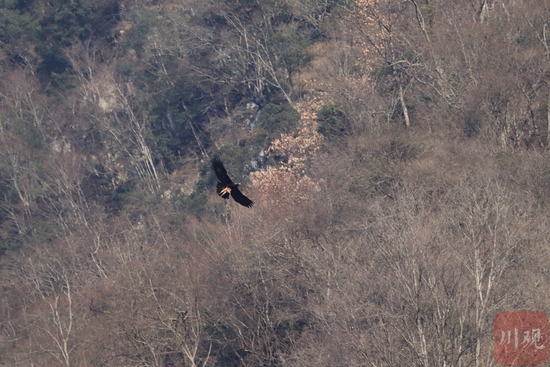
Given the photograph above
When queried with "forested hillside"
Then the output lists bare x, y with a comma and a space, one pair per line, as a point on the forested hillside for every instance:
397, 153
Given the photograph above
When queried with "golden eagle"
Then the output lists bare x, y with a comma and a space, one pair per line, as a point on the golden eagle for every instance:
225, 186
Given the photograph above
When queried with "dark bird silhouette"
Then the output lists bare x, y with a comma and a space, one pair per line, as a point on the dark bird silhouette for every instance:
226, 187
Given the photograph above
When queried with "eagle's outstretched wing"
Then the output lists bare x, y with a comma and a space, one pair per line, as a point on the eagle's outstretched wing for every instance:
226, 187
240, 198
221, 173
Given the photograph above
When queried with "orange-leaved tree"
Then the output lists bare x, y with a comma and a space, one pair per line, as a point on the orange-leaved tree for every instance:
289, 183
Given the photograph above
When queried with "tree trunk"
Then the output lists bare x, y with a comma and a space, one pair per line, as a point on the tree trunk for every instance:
402, 98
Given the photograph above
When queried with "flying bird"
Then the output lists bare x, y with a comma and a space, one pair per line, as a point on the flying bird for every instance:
226, 187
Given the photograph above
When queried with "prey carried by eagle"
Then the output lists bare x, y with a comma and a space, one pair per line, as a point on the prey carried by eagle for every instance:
226, 187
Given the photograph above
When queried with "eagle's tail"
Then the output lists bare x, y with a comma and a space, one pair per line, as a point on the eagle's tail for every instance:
222, 190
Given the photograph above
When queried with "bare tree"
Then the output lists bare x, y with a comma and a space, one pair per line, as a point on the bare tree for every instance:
53, 332
378, 24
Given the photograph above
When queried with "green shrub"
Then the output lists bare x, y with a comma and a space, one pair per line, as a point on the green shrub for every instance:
279, 118
190, 204
331, 121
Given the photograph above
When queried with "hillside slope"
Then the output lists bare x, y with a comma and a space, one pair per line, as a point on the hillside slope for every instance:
396, 154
